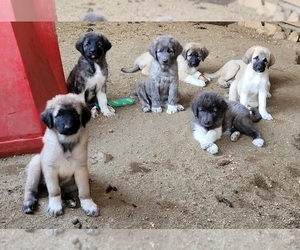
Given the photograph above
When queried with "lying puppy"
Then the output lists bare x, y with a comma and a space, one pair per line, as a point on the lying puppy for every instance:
248, 78
89, 76
161, 86
188, 64
212, 116
62, 163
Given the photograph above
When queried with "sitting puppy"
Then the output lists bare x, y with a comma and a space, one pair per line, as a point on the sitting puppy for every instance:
188, 64
212, 116
161, 86
89, 76
248, 78
62, 163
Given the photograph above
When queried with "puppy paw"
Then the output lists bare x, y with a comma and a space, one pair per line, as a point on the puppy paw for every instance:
235, 136
55, 206
109, 111
156, 110
29, 205
180, 107
213, 149
225, 85
269, 95
89, 207
95, 113
266, 116
200, 83
258, 142
146, 109
174, 108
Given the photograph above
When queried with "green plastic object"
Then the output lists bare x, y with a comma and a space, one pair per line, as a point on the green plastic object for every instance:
120, 102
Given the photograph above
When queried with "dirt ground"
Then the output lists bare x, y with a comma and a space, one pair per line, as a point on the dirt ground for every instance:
163, 178
153, 10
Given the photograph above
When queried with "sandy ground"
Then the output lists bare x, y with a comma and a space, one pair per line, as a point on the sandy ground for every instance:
163, 179
153, 10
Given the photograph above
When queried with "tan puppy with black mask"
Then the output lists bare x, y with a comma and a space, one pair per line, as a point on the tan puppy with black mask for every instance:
248, 78
62, 163
253, 88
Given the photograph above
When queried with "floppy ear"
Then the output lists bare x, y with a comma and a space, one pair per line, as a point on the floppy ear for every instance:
177, 47
204, 53
194, 107
106, 44
85, 116
152, 49
79, 44
47, 118
272, 60
184, 53
223, 105
248, 55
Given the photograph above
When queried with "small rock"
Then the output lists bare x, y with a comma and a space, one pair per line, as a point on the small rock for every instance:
294, 36
107, 158
74, 221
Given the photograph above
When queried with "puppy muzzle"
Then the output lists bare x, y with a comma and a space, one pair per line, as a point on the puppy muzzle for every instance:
259, 67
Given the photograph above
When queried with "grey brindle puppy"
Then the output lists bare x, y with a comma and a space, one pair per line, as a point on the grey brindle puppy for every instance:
161, 87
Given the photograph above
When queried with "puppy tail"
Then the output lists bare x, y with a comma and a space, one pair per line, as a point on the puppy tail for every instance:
131, 70
255, 115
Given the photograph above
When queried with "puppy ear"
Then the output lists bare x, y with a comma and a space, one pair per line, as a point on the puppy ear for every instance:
177, 47
223, 105
152, 49
85, 116
106, 43
204, 53
272, 60
184, 53
194, 108
248, 55
79, 44
47, 118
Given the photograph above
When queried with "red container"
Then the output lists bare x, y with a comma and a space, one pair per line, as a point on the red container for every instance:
31, 73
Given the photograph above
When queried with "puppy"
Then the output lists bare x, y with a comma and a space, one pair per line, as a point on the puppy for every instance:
62, 163
248, 78
89, 76
161, 87
188, 64
212, 116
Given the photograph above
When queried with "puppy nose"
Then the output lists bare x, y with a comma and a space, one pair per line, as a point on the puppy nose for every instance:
92, 50
165, 60
67, 126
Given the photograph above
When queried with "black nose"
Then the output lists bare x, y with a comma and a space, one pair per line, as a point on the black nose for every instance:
92, 50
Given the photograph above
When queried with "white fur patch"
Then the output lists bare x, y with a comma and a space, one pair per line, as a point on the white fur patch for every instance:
156, 110
258, 142
89, 207
55, 206
174, 108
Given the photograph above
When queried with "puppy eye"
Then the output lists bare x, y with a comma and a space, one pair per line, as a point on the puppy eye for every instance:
99, 44
265, 60
215, 110
255, 58
170, 51
60, 113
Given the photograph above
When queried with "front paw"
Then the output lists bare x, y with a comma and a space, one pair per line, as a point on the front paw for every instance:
258, 142
174, 108
109, 111
200, 83
29, 205
55, 206
89, 207
266, 116
213, 149
146, 109
156, 110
